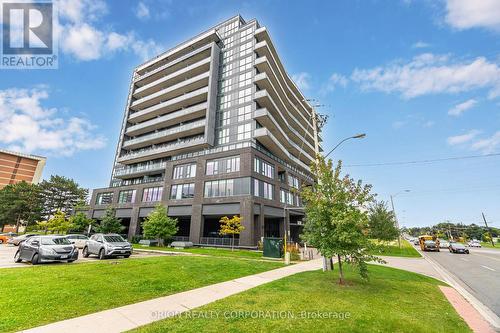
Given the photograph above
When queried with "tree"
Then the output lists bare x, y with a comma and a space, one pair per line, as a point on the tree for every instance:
81, 222
61, 193
59, 223
20, 203
336, 218
158, 225
382, 222
231, 226
110, 224
43, 226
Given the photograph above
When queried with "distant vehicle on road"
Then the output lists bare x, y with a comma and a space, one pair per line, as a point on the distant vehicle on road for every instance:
430, 245
78, 240
443, 244
458, 248
46, 248
474, 243
4, 238
19, 239
416, 241
107, 245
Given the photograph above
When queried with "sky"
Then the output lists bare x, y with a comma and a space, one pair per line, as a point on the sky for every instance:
420, 78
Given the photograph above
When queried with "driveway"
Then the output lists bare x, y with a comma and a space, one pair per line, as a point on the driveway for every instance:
7, 257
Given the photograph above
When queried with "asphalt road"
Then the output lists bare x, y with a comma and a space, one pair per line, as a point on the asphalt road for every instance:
478, 273
7, 257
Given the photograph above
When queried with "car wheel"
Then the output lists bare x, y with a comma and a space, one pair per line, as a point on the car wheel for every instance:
102, 255
35, 259
70, 261
85, 252
17, 257
1, 241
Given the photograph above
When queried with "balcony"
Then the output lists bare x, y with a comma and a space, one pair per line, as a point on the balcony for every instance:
163, 150
138, 170
183, 115
121, 182
166, 81
163, 107
171, 92
268, 140
170, 134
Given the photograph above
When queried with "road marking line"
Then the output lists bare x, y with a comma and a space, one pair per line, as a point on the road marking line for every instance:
491, 269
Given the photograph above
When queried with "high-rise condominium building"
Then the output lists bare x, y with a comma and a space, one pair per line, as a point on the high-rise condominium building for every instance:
214, 127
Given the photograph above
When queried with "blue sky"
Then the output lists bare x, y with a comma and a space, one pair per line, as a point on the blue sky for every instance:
420, 78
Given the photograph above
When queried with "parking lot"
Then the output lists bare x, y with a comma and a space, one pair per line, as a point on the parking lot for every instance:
7, 257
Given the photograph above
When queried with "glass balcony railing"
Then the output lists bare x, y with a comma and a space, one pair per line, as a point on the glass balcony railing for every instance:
129, 170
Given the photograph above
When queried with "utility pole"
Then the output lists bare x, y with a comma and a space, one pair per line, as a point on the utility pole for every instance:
486, 224
397, 222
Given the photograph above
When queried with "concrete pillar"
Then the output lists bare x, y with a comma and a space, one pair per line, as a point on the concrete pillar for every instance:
195, 227
133, 228
246, 213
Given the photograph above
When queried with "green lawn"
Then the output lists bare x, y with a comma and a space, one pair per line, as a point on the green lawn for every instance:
392, 249
216, 252
39, 295
488, 245
391, 301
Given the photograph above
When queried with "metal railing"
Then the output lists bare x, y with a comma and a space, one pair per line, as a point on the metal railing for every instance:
120, 182
121, 171
180, 238
220, 241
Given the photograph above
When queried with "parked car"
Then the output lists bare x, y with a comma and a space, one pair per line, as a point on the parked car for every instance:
19, 239
474, 243
4, 238
416, 242
458, 248
40, 249
107, 245
443, 244
430, 245
78, 240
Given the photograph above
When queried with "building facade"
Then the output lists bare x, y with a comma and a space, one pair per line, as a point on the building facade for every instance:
214, 127
17, 167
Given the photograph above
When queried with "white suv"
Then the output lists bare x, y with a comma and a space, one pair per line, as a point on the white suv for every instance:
107, 245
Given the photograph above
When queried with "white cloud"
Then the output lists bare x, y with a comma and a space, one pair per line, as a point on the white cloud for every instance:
465, 14
398, 124
463, 138
27, 126
420, 45
488, 145
460, 108
302, 80
336, 80
81, 37
431, 74
142, 11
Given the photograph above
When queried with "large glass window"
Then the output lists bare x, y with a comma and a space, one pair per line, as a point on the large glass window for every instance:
263, 167
293, 181
263, 189
223, 165
182, 191
184, 171
227, 187
104, 198
244, 131
152, 194
127, 196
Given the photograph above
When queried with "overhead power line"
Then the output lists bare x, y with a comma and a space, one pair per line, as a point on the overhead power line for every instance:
424, 161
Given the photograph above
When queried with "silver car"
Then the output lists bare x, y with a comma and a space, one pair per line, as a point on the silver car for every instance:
38, 249
107, 245
78, 240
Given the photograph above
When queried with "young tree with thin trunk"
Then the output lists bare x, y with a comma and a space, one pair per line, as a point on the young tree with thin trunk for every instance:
158, 225
110, 224
382, 222
231, 226
336, 218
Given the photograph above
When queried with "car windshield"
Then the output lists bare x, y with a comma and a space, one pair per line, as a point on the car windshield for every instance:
114, 239
55, 241
458, 245
429, 242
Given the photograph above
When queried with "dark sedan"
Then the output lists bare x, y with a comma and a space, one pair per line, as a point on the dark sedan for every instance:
458, 248
40, 249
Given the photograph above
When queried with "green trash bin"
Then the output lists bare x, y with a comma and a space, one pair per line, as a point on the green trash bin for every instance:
273, 247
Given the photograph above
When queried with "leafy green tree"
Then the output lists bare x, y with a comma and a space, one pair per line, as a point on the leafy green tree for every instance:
336, 222
231, 226
20, 203
382, 222
110, 224
81, 222
59, 223
43, 226
159, 226
61, 193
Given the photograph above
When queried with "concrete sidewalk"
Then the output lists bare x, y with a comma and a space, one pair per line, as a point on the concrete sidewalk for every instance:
134, 315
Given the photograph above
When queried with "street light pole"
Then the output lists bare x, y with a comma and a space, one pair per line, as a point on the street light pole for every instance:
357, 136
395, 216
